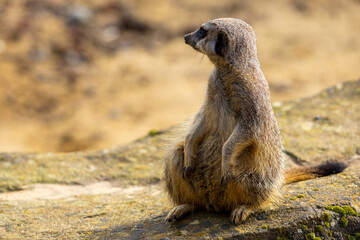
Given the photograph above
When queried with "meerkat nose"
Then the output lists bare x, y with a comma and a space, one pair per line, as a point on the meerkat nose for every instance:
187, 38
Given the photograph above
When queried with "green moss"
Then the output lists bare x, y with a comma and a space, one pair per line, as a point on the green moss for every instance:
323, 95
264, 226
178, 233
344, 210
337, 209
344, 222
348, 237
281, 238
349, 210
304, 227
310, 236
319, 228
153, 132
357, 236
298, 196
316, 189
327, 224
329, 233
326, 216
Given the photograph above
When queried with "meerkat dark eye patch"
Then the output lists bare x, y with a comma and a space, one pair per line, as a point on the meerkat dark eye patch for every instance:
220, 44
201, 33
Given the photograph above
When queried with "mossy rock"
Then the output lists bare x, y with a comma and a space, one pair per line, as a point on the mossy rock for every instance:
316, 129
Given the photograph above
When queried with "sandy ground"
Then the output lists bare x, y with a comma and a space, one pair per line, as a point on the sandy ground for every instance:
58, 191
92, 74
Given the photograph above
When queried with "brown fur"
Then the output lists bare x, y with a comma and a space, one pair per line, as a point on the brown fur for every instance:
310, 172
231, 158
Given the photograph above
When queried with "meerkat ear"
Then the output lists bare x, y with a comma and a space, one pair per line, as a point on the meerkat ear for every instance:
220, 45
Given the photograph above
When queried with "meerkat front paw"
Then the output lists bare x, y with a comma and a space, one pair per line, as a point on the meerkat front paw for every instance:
224, 181
188, 159
186, 171
239, 215
225, 165
225, 177
179, 212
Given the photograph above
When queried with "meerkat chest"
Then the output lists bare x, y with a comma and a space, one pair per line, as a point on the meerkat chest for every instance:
220, 115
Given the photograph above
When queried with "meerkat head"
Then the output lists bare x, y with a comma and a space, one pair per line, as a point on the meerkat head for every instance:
225, 40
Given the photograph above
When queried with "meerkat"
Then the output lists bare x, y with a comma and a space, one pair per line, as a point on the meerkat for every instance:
231, 159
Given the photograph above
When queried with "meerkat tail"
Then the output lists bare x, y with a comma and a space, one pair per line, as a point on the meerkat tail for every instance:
310, 172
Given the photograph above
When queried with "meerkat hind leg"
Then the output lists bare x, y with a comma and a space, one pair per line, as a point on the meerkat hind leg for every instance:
179, 212
240, 214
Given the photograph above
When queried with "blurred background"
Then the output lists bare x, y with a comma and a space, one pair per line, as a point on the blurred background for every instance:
90, 74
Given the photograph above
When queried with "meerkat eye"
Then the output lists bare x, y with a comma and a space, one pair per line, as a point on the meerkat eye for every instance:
201, 33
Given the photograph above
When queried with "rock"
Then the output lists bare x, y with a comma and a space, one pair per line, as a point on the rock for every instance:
109, 33
325, 207
79, 14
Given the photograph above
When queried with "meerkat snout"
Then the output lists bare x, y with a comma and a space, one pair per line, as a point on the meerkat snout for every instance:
187, 38
195, 38
208, 40
191, 40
